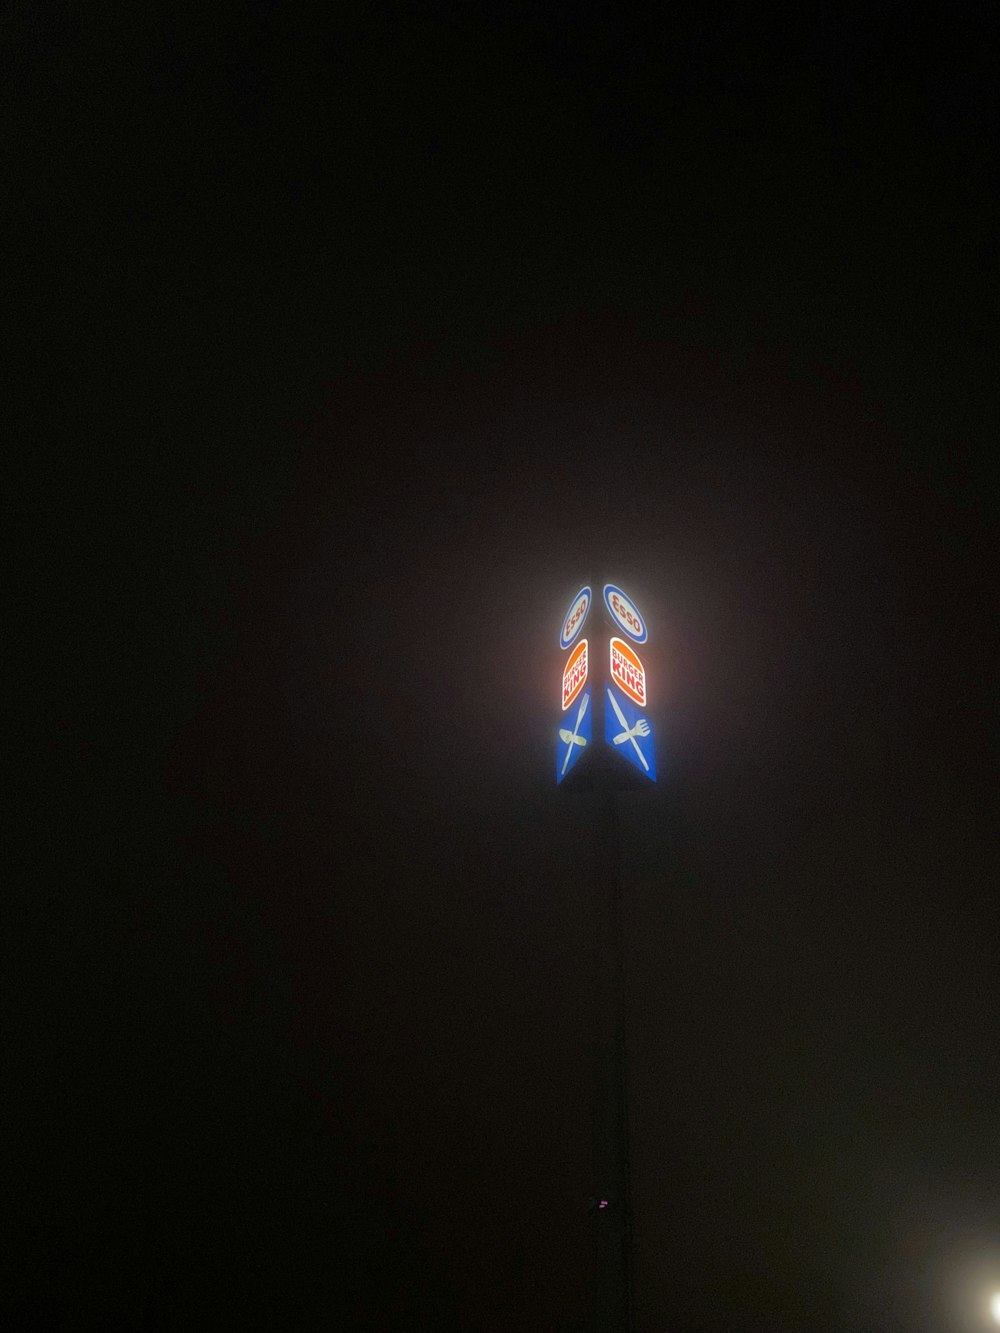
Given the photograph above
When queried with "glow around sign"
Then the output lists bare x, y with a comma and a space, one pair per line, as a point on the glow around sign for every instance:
575, 674
575, 617
624, 613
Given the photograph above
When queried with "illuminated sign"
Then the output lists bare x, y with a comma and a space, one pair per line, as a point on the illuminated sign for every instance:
625, 613
575, 617
573, 743
627, 672
629, 732
575, 675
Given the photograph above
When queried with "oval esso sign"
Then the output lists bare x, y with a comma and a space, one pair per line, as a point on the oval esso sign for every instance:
575, 617
624, 613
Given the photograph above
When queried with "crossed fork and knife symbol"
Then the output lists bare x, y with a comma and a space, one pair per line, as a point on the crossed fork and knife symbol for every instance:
641, 728
572, 738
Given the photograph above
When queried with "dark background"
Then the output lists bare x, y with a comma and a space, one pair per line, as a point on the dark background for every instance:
352, 339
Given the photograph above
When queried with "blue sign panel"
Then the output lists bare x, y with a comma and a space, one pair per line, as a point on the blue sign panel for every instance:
575, 736
629, 732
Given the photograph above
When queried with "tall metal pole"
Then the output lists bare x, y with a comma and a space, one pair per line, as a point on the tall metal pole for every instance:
613, 1306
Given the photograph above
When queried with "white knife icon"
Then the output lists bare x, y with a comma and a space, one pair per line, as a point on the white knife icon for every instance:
570, 737
629, 733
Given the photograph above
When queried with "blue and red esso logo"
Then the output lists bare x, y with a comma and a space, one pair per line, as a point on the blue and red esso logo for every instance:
624, 613
575, 617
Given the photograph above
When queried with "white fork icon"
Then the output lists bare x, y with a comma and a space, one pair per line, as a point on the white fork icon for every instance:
641, 728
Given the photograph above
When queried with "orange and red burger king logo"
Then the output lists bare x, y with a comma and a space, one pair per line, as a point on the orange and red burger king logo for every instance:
627, 672
575, 674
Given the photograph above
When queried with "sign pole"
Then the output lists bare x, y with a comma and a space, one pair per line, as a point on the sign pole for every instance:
612, 1201
606, 744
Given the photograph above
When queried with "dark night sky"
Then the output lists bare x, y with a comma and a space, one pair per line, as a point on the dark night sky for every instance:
351, 342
